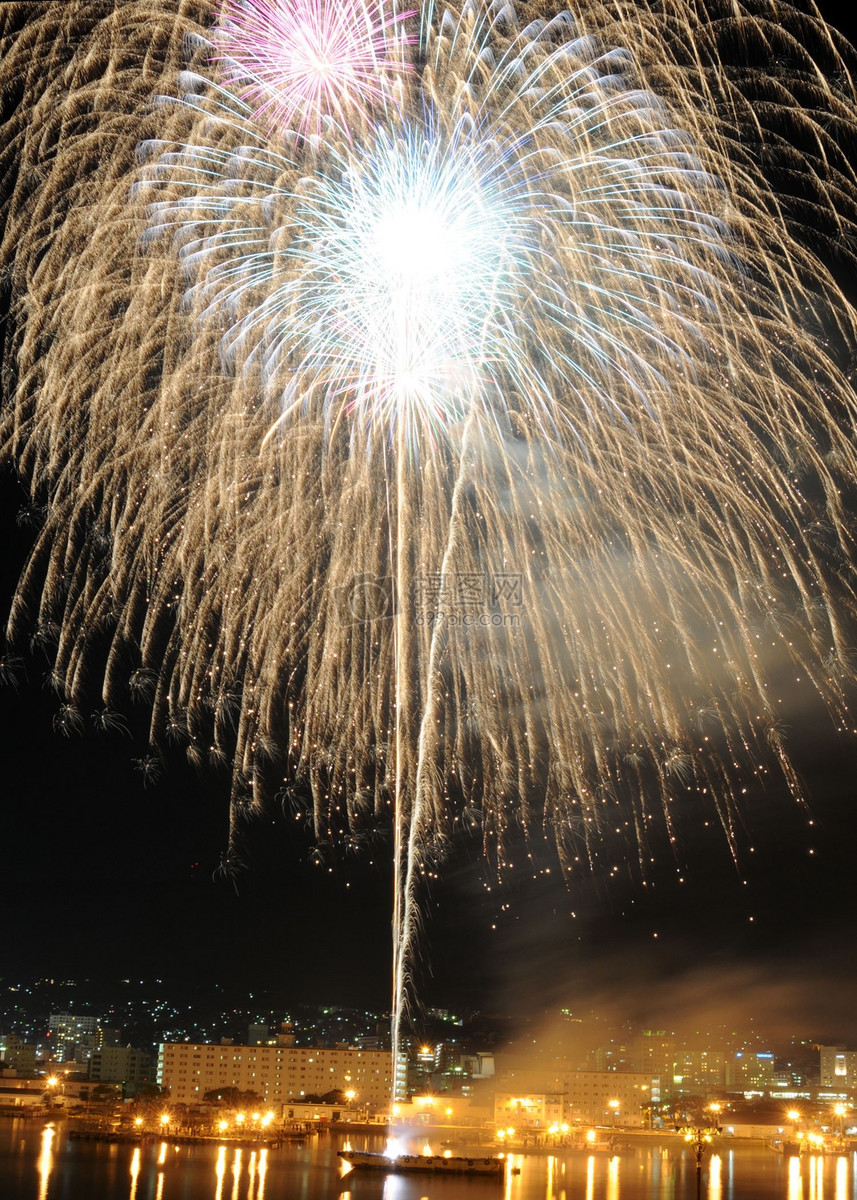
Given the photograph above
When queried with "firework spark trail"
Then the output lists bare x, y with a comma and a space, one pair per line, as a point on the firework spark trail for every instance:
631, 395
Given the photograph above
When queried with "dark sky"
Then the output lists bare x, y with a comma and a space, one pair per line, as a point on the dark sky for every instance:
101, 876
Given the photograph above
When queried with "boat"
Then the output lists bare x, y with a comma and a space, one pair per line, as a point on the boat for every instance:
439, 1164
811, 1144
789, 1148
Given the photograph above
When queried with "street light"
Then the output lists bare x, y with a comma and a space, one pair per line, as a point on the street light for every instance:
700, 1136
699, 1139
794, 1116
840, 1111
613, 1105
647, 1108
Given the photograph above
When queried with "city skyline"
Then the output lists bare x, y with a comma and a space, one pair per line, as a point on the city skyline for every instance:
65, 1021
581, 1064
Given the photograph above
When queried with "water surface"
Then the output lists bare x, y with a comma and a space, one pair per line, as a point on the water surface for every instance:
39, 1161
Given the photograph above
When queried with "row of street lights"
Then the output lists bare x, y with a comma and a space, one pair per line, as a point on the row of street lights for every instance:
255, 1121
840, 1111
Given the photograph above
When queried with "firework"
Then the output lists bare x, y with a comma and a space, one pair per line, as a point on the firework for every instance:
298, 63
479, 462
405, 279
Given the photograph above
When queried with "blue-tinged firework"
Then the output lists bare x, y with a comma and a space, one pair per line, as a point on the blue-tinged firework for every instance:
465, 254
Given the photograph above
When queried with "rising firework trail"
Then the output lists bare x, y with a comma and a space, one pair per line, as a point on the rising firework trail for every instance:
458, 433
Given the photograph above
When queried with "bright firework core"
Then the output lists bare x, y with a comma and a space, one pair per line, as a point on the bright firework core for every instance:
416, 249
417, 245
419, 236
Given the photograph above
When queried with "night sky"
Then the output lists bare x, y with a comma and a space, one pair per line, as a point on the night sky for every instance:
101, 876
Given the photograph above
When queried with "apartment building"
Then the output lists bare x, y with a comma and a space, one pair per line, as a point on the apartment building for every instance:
589, 1097
277, 1074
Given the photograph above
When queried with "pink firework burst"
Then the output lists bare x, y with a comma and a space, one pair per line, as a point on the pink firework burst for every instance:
298, 62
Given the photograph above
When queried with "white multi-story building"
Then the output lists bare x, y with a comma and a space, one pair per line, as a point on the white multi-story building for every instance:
838, 1068
277, 1074
72, 1038
588, 1097
529, 1114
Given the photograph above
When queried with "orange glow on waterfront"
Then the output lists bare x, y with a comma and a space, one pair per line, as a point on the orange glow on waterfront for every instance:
841, 1179
715, 1178
135, 1173
46, 1160
590, 1178
263, 1171
219, 1172
613, 1178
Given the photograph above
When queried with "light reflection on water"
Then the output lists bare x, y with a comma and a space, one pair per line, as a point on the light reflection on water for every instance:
41, 1163
135, 1172
219, 1172
236, 1174
46, 1160
795, 1180
613, 1179
842, 1178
